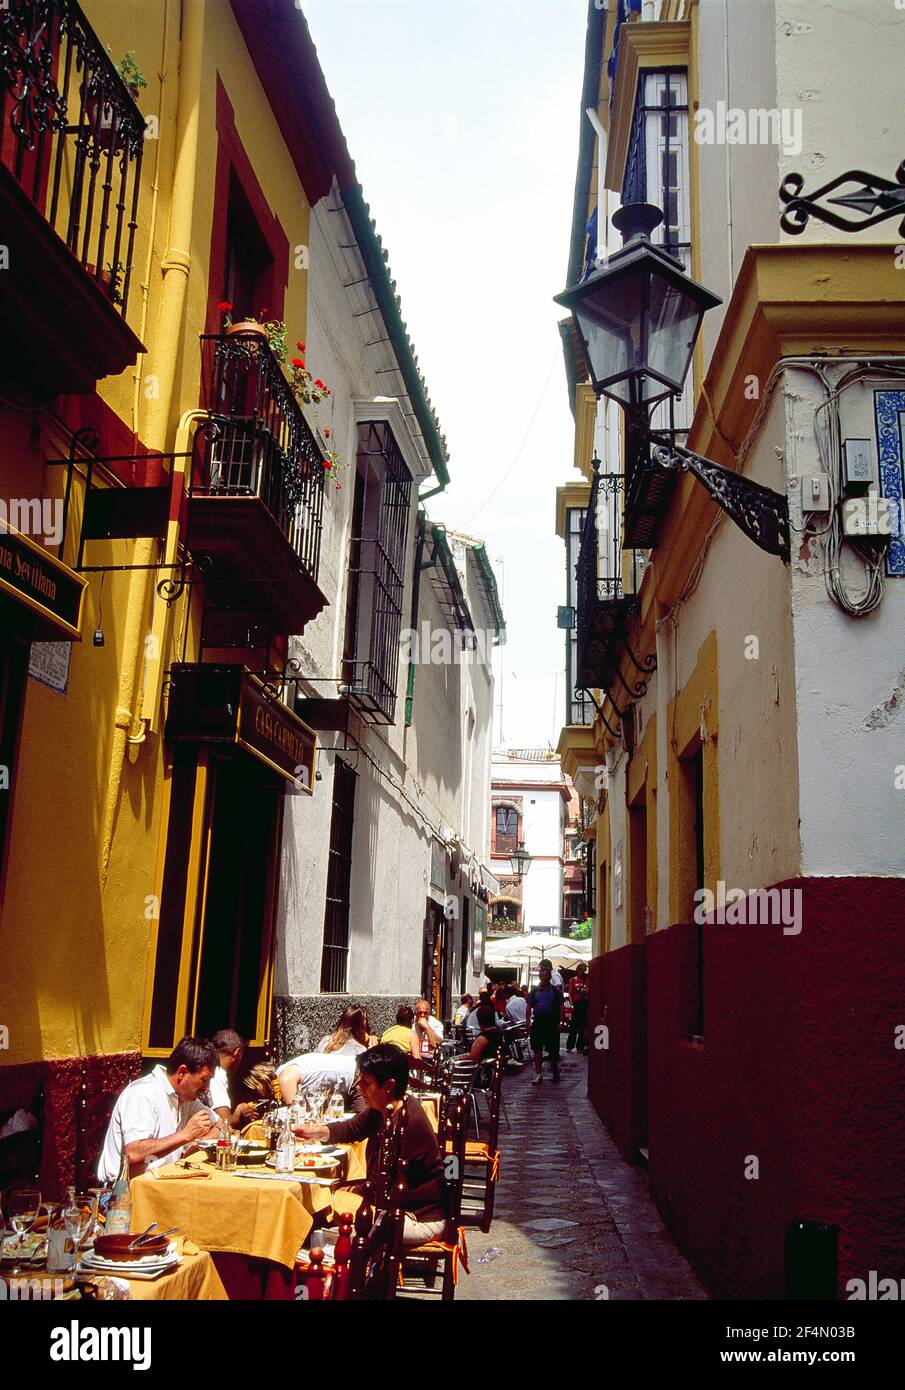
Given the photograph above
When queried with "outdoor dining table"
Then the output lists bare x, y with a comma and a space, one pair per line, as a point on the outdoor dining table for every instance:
194, 1280
252, 1221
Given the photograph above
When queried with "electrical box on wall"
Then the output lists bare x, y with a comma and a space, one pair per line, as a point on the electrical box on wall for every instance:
870, 518
815, 493
857, 466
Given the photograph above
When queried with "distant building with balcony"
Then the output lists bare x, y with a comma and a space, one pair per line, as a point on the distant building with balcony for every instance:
529, 809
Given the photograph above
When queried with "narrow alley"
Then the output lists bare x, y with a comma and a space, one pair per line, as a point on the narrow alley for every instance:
572, 1221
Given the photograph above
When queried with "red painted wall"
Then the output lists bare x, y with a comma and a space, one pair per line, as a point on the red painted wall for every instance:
617, 1073
798, 1069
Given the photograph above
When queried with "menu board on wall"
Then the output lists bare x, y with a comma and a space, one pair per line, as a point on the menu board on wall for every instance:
48, 662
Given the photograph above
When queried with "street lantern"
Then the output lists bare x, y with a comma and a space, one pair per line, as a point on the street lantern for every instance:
638, 315
520, 861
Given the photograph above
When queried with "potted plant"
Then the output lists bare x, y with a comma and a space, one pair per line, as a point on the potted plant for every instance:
131, 75
249, 324
101, 115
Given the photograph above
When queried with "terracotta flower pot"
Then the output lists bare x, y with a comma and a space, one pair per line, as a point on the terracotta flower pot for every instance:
247, 326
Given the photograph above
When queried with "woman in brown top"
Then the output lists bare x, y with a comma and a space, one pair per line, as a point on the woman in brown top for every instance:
383, 1074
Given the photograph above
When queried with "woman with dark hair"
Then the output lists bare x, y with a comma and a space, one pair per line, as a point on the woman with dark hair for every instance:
383, 1074
351, 1035
487, 1044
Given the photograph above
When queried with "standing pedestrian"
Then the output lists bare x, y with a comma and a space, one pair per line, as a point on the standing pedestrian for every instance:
544, 1005
579, 987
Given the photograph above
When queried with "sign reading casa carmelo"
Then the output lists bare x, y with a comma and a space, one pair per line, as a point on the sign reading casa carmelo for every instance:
271, 732
227, 704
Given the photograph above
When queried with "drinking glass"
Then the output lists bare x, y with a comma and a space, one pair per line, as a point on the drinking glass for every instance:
23, 1207
79, 1216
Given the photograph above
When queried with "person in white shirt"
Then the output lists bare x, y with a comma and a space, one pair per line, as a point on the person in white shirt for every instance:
230, 1050
316, 1071
516, 1008
427, 1034
160, 1115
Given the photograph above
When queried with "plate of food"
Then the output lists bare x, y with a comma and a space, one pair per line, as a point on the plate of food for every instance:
308, 1161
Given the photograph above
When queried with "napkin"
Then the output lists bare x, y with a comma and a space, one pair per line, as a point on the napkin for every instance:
169, 1171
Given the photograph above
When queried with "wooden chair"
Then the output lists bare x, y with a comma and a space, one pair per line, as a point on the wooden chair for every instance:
374, 1266
482, 1159
420, 1263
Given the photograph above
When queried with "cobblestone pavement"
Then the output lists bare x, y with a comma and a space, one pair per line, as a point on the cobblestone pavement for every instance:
572, 1219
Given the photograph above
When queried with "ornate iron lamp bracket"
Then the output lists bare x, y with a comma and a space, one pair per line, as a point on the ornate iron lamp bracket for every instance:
760, 512
874, 199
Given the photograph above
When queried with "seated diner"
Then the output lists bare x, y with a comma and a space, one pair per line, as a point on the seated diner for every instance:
383, 1081
160, 1116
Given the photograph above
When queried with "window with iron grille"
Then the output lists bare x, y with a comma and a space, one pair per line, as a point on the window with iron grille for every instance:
505, 830
656, 171
377, 558
335, 959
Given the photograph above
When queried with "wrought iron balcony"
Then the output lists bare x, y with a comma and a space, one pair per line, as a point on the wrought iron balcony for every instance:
71, 141
257, 490
604, 603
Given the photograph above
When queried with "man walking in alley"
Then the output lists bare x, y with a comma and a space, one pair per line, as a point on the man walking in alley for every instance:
544, 1005
579, 988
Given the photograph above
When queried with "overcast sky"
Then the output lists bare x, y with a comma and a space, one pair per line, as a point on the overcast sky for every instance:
462, 117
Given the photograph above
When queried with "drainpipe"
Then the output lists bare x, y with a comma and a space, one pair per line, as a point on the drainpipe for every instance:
175, 266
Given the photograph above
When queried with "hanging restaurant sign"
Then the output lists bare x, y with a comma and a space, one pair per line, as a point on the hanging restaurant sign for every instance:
44, 584
226, 704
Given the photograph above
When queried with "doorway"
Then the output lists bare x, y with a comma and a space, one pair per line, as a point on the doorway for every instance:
245, 816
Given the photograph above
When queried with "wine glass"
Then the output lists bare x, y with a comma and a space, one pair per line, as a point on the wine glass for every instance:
78, 1217
23, 1207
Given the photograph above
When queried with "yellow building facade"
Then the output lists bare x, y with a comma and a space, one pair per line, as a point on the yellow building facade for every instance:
131, 756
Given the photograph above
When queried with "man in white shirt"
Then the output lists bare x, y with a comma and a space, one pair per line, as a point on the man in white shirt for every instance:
157, 1116
316, 1071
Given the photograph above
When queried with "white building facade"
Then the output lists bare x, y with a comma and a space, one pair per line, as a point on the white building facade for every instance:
529, 804
385, 871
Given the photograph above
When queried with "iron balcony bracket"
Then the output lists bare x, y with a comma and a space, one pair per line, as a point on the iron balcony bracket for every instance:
760, 512
599, 709
648, 664
635, 691
874, 199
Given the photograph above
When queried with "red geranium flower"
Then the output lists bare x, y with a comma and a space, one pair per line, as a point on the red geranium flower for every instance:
320, 385
263, 313
297, 362
327, 463
326, 434
224, 306
301, 347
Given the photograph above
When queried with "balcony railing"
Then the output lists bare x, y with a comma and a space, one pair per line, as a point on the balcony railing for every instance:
604, 601
71, 135
260, 444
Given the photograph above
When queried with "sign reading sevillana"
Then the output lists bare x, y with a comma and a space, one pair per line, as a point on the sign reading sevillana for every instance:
42, 583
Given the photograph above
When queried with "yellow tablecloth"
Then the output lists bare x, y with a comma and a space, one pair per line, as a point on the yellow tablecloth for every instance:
196, 1281
244, 1216
241, 1216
